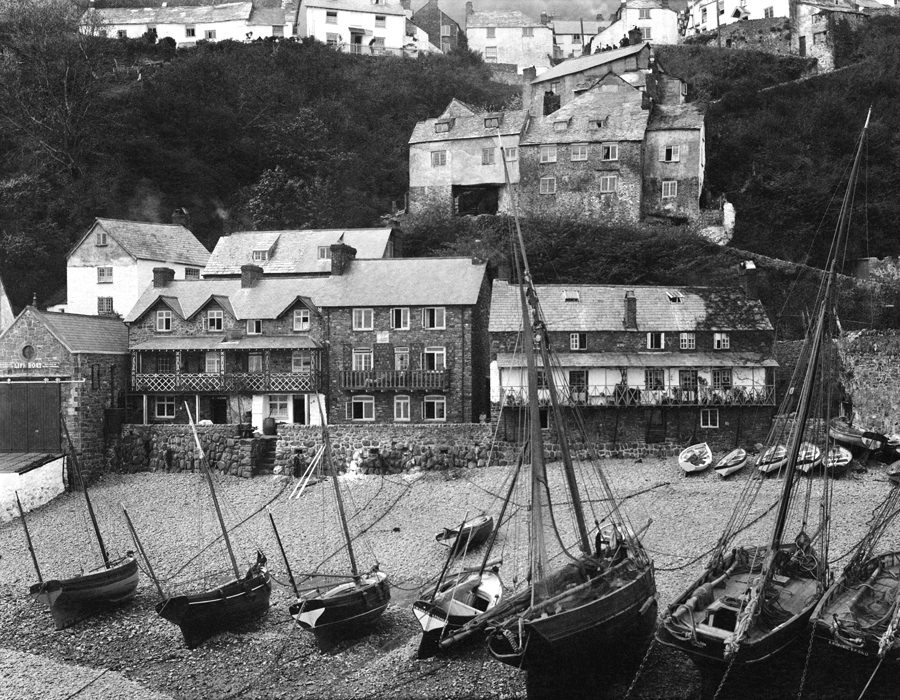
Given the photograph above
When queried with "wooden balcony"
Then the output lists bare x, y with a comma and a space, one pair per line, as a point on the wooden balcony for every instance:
231, 382
395, 380
636, 396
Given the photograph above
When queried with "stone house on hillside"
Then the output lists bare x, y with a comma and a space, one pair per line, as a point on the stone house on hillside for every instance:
455, 162
294, 252
113, 262
186, 25
372, 340
655, 20
443, 31
67, 365
510, 37
645, 364
370, 27
571, 78
571, 37
700, 15
812, 28
587, 156
674, 163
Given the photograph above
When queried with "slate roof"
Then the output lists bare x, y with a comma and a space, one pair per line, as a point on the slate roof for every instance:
357, 6
623, 118
602, 308
6, 312
501, 18
574, 26
147, 241
665, 117
582, 63
651, 358
268, 16
292, 252
179, 14
100, 335
511, 123
384, 282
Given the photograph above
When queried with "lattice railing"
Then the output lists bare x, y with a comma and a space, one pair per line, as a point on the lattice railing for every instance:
156, 382
245, 381
293, 381
617, 395
202, 382
393, 380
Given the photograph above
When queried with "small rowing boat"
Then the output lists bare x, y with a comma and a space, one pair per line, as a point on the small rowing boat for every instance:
809, 457
837, 459
732, 462
467, 536
695, 458
771, 459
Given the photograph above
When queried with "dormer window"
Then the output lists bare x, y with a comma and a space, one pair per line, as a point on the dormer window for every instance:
600, 123
492, 123
442, 127
101, 240
561, 125
260, 255
675, 297
571, 295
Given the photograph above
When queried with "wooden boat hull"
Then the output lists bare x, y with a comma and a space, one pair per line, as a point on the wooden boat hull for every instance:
808, 458
73, 599
695, 458
772, 459
344, 608
704, 640
201, 615
620, 622
841, 431
837, 459
466, 538
844, 621
459, 600
732, 462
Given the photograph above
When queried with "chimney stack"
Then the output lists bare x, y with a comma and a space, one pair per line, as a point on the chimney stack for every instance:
545, 18
470, 8
181, 217
748, 279
341, 255
250, 275
406, 5
630, 311
163, 276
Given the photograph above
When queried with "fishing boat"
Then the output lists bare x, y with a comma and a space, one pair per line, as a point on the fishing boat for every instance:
841, 431
468, 535
72, 599
732, 462
346, 608
754, 601
571, 605
771, 459
809, 457
695, 458
233, 604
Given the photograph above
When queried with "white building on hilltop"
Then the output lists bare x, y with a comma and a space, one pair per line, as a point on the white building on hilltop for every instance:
703, 17
654, 19
510, 37
355, 26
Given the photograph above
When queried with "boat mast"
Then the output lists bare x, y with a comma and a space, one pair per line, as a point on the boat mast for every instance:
137, 543
287, 564
337, 492
212, 489
28, 539
509, 493
87, 497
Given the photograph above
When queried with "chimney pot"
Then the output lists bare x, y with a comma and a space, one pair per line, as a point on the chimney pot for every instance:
341, 255
748, 279
163, 276
630, 311
250, 275
470, 8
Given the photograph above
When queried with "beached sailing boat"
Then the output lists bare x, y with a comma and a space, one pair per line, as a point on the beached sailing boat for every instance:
111, 583
753, 602
200, 615
575, 605
345, 608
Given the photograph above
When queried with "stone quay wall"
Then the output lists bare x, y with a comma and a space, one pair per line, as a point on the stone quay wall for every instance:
870, 375
171, 448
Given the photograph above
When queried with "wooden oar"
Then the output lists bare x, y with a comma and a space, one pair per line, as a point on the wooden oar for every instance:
28, 539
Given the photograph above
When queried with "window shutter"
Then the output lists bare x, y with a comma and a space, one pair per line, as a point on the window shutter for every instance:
422, 314
662, 153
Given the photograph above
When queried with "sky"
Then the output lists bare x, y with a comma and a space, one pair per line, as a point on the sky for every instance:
561, 9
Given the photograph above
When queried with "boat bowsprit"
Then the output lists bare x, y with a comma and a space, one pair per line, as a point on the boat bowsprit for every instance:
73, 599
201, 615
346, 607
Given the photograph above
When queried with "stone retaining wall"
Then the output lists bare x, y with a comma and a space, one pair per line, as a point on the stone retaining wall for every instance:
870, 377
172, 448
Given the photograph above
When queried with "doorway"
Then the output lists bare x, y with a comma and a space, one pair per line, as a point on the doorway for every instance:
218, 410
301, 415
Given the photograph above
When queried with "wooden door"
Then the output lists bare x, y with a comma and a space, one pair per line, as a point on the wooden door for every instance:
29, 417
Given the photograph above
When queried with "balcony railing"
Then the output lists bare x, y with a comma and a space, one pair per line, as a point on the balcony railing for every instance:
635, 396
395, 379
276, 382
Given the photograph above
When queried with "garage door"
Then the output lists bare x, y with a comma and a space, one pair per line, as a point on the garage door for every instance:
29, 417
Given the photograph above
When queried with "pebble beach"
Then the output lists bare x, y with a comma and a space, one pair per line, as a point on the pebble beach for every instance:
134, 653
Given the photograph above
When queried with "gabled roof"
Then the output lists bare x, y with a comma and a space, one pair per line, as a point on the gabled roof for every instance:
665, 117
457, 108
390, 8
6, 312
470, 127
620, 111
268, 16
179, 14
293, 252
602, 308
96, 335
501, 18
380, 282
583, 63
147, 241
